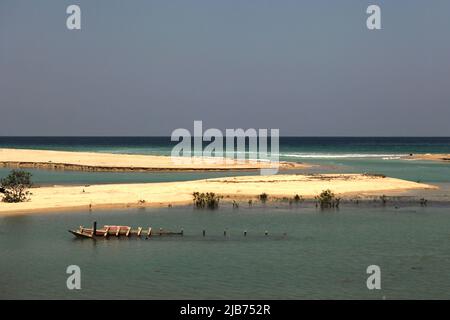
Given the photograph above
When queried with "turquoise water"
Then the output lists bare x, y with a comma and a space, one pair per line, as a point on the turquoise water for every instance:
424, 171
323, 255
51, 177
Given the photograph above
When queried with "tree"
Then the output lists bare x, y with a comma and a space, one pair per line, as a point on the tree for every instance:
15, 185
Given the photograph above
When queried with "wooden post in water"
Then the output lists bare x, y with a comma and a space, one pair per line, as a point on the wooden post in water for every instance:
94, 228
224, 233
204, 232
182, 231
245, 233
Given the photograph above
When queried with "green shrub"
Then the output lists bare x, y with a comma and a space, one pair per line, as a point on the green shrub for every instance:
263, 197
15, 185
327, 199
207, 200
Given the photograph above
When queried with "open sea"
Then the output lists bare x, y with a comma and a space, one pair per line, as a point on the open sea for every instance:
307, 254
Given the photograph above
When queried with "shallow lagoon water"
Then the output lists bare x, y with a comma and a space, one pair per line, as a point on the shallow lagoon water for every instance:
60, 177
324, 254
423, 171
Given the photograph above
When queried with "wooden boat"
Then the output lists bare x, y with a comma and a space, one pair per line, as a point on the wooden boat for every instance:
117, 231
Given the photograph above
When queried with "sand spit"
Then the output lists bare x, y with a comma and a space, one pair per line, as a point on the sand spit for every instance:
58, 198
111, 162
442, 157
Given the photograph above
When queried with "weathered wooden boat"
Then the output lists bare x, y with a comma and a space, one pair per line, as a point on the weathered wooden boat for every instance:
117, 231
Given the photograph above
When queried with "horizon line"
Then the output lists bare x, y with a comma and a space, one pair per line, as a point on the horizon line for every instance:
163, 136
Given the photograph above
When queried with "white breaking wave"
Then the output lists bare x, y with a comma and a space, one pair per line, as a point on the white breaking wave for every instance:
382, 156
342, 155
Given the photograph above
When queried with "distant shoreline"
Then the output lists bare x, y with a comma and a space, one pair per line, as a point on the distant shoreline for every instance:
115, 162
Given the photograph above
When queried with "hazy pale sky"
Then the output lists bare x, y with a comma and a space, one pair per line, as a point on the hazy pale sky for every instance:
147, 67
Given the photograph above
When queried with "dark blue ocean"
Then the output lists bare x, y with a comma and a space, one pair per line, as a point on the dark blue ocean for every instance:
302, 147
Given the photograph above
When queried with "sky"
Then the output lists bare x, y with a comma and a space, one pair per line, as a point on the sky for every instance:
143, 68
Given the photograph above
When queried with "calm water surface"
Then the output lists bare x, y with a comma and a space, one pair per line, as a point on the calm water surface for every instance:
323, 255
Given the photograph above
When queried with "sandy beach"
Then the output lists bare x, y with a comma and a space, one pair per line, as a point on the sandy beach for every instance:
442, 157
178, 193
96, 161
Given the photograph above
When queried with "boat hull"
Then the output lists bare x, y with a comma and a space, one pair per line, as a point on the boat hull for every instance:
81, 235
120, 231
